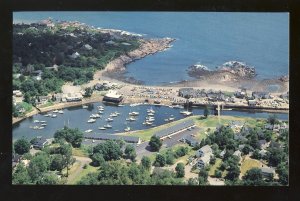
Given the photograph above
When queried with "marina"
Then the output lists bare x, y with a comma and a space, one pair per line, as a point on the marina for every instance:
75, 117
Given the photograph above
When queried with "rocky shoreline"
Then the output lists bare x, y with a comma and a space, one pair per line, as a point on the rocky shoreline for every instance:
116, 69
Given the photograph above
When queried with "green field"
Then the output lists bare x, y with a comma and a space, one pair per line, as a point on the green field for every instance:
250, 163
214, 167
83, 173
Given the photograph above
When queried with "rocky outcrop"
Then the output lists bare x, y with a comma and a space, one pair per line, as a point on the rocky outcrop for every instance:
229, 71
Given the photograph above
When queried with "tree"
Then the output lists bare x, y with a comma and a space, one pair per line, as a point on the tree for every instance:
110, 150
130, 152
57, 162
180, 170
160, 160
253, 177
218, 173
275, 156
233, 173
66, 151
22, 146
38, 165
146, 162
205, 112
256, 154
283, 173
212, 160
88, 92
272, 119
170, 157
97, 159
73, 136
203, 175
193, 182
155, 143
20, 175
247, 148
48, 179
181, 151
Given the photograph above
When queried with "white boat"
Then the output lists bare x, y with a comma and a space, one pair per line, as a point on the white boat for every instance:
54, 115
150, 114
132, 119
166, 120
43, 124
148, 123
151, 119
88, 131
150, 110
43, 121
134, 113
36, 121
35, 127
127, 129
170, 106
91, 120
100, 112
85, 106
109, 119
178, 106
41, 127
171, 118
95, 116
186, 113
121, 105
113, 115
46, 115
55, 111
60, 111
101, 128
107, 126
101, 109
117, 113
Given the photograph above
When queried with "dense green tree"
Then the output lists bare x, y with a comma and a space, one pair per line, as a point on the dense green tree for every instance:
206, 112
203, 175
97, 159
160, 160
155, 143
233, 173
57, 162
212, 160
253, 177
48, 179
20, 175
22, 146
181, 151
276, 156
283, 173
165, 177
39, 164
180, 170
88, 92
110, 150
193, 182
256, 154
146, 162
218, 173
73, 136
247, 148
89, 179
170, 157
130, 152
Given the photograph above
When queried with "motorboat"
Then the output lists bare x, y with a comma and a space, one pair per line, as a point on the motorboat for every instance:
54, 115
43, 121
171, 119
100, 112
127, 129
91, 120
36, 121
186, 113
41, 127
150, 110
95, 116
85, 106
60, 111
150, 114
107, 126
101, 128
148, 123
113, 115
88, 131
109, 119
44, 124
46, 115
134, 113
166, 120
55, 111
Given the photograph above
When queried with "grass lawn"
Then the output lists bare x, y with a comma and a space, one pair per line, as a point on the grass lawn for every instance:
72, 168
250, 163
214, 167
83, 173
49, 103
79, 152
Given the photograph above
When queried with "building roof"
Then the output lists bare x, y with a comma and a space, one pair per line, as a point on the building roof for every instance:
40, 142
268, 170
206, 149
191, 139
111, 137
112, 95
174, 128
205, 158
237, 153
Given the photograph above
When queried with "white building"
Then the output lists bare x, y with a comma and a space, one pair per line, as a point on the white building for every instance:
203, 151
203, 161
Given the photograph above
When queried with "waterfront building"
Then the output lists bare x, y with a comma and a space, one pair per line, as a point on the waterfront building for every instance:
94, 136
172, 130
112, 97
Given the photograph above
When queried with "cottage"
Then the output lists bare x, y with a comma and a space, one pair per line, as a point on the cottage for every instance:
237, 153
252, 102
268, 172
74, 97
16, 159
191, 141
203, 161
263, 144
17, 93
40, 143
204, 151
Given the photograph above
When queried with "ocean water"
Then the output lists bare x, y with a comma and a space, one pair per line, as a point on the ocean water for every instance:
209, 38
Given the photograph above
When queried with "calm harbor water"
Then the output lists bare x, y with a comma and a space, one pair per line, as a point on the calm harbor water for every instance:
259, 39
76, 117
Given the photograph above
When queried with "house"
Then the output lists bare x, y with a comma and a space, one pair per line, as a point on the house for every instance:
222, 153
191, 141
16, 159
203, 161
75, 55
74, 97
263, 144
186, 92
40, 143
58, 97
42, 99
101, 87
237, 153
267, 172
204, 151
37, 74
17, 93
261, 95
252, 102
262, 152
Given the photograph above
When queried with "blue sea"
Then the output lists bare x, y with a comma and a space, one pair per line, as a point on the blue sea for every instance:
208, 38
